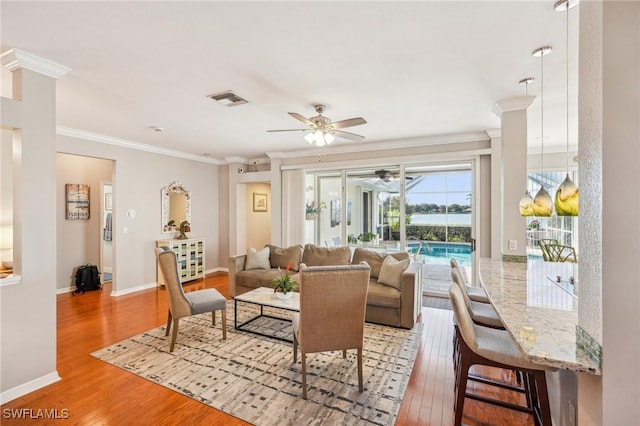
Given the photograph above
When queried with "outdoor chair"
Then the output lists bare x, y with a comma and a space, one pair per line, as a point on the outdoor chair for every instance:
332, 312
552, 251
183, 304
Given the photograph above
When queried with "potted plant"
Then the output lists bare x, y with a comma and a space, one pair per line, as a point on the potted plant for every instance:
184, 227
367, 237
284, 285
312, 211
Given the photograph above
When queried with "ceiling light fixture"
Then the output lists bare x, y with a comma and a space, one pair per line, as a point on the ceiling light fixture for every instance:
567, 201
526, 202
542, 203
319, 137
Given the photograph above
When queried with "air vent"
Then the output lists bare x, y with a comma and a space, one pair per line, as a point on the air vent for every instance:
228, 98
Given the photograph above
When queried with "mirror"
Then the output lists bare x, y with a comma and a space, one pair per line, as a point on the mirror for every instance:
176, 207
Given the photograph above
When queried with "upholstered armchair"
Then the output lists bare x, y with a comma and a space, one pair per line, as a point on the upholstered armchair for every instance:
183, 304
333, 300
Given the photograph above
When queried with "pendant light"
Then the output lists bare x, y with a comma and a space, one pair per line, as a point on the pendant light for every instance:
542, 203
567, 202
526, 202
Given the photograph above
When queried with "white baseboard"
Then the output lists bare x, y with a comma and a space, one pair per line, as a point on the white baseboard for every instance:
122, 292
219, 269
65, 290
25, 388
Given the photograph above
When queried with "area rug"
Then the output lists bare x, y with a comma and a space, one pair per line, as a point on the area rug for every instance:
254, 378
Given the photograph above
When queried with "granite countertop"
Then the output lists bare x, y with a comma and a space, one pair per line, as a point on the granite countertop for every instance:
537, 302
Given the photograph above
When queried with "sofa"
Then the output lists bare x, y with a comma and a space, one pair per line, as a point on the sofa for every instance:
395, 287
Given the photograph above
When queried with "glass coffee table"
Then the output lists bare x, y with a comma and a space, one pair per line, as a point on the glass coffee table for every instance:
264, 297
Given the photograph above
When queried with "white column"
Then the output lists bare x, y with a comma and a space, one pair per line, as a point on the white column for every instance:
513, 138
28, 311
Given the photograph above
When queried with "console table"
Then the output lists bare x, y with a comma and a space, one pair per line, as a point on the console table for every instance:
191, 260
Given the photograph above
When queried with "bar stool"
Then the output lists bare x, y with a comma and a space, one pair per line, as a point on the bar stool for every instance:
477, 294
478, 345
481, 313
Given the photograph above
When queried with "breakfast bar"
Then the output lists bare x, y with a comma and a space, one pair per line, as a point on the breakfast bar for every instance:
538, 304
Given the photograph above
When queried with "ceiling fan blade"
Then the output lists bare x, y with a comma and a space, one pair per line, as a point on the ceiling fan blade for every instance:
301, 118
289, 130
348, 123
347, 135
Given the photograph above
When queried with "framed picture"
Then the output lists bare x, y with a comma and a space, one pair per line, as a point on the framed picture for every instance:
259, 202
77, 201
108, 197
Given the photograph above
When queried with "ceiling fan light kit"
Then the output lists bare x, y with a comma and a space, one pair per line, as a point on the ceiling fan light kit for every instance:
322, 131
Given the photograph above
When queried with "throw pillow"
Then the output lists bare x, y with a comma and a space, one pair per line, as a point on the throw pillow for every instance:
391, 272
257, 259
282, 257
321, 256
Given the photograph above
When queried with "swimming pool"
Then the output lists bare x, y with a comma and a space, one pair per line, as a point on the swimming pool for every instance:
438, 253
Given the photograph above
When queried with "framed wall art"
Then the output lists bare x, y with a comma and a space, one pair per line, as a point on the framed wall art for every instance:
259, 202
77, 201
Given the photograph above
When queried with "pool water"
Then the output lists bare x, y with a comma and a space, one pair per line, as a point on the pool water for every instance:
440, 253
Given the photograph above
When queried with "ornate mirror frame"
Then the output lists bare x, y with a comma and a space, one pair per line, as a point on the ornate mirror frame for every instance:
167, 191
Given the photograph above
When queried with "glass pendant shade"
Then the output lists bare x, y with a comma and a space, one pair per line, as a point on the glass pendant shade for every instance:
526, 205
567, 196
567, 202
542, 203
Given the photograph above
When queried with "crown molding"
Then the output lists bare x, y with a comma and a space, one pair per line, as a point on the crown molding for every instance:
512, 104
385, 145
123, 143
494, 133
241, 160
15, 59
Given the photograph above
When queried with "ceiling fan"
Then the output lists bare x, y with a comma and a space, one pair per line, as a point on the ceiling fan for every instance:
322, 130
386, 176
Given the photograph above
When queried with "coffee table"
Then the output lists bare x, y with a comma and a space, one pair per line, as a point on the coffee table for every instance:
262, 297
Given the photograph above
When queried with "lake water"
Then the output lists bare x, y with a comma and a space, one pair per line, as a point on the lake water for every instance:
441, 219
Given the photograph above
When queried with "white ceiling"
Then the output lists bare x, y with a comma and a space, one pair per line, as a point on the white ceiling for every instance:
411, 69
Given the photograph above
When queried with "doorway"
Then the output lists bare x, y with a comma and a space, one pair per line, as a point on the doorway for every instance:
106, 237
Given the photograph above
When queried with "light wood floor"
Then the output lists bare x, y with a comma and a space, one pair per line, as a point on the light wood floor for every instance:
96, 393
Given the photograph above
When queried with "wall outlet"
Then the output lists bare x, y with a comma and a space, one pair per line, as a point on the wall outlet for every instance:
513, 244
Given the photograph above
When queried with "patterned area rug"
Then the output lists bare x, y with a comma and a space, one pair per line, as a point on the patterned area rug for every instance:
254, 378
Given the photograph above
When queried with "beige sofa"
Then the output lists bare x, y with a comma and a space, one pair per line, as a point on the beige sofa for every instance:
392, 303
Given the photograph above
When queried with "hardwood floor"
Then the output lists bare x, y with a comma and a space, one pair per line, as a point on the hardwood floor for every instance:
92, 392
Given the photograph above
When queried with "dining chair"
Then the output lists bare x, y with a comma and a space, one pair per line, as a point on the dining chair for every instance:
183, 304
332, 312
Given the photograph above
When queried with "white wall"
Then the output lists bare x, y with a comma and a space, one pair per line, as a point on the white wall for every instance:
138, 179
258, 224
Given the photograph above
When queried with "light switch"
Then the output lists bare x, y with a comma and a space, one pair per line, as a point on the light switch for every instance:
513, 244
125, 230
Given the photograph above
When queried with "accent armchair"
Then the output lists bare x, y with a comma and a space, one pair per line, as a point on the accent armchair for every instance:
333, 301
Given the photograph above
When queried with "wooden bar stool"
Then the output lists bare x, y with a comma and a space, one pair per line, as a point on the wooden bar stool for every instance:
478, 345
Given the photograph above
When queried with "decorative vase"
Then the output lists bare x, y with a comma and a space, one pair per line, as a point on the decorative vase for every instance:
284, 296
312, 216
